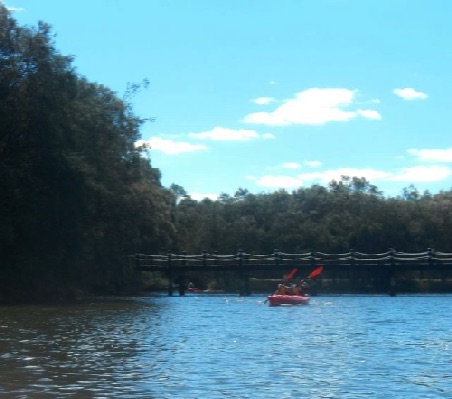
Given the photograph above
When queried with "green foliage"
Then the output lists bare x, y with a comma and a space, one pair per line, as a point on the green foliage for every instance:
76, 195
351, 214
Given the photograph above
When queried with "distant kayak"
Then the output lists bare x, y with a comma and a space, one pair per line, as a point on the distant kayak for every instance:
278, 300
193, 289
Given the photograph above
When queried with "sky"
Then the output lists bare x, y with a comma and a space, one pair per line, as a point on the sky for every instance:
273, 94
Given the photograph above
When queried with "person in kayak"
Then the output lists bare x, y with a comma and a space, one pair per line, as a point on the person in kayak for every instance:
292, 288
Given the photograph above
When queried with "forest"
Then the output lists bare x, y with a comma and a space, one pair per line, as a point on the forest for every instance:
78, 196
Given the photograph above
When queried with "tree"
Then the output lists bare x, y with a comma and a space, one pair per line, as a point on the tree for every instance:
77, 195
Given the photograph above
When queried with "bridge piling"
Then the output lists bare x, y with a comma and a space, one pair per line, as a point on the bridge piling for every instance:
392, 283
170, 274
242, 279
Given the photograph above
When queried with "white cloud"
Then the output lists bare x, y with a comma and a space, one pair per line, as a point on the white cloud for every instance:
169, 146
409, 93
409, 175
201, 196
327, 176
413, 175
291, 165
369, 114
313, 107
435, 155
321, 177
12, 9
313, 164
422, 174
263, 100
279, 182
225, 134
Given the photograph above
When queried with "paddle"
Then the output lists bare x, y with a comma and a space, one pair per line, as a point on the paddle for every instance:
316, 272
290, 274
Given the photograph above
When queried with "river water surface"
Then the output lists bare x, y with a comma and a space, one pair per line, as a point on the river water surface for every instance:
202, 346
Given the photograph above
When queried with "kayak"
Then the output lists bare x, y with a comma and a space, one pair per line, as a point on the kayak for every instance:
277, 300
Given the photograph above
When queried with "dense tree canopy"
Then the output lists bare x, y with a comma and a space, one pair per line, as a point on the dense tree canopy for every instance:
76, 194
348, 214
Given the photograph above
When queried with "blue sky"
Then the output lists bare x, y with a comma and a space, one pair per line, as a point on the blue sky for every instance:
270, 94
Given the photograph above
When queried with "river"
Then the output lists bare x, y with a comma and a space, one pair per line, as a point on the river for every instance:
226, 346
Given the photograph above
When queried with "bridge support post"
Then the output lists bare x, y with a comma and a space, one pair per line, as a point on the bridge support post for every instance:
243, 278
246, 285
170, 275
183, 279
181, 286
392, 284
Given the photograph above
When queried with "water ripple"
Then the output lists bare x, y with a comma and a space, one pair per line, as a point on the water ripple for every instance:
228, 347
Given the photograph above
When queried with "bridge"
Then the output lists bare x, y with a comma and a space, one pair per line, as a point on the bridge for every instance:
389, 265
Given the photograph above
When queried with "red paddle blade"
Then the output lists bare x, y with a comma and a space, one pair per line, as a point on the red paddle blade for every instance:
291, 274
316, 272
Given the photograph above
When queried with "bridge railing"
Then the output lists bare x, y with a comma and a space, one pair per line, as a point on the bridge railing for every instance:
389, 265
429, 259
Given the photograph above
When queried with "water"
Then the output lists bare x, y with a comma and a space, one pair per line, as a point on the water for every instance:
229, 347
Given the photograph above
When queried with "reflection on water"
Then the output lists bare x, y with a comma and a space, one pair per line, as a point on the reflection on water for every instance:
228, 347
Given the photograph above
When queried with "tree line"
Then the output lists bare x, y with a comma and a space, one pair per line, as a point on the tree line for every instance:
349, 214
77, 195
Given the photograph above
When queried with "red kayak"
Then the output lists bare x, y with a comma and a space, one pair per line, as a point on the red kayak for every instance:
278, 300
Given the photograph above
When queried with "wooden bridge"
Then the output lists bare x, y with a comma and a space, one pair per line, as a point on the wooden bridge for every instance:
389, 265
